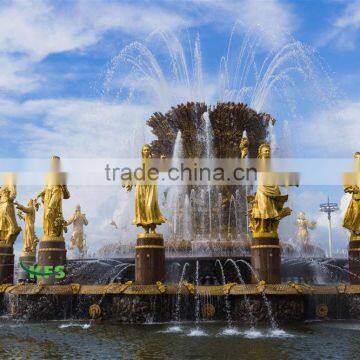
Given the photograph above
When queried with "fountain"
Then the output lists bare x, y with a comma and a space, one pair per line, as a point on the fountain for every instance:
210, 132
181, 273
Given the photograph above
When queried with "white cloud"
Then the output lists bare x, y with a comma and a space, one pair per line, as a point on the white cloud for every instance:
32, 30
272, 20
344, 33
16, 75
71, 127
39, 28
334, 132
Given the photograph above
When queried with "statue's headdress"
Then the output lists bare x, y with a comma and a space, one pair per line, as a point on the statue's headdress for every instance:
261, 147
146, 146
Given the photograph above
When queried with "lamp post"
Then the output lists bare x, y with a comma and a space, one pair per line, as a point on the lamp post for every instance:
329, 208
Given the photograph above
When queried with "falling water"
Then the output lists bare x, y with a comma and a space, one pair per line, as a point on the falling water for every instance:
210, 211
220, 214
227, 300
202, 212
266, 300
197, 295
237, 213
246, 298
109, 283
175, 192
178, 295
208, 135
187, 223
232, 215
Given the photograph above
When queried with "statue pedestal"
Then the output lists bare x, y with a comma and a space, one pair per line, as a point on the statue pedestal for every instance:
6, 264
354, 259
149, 259
27, 260
265, 258
51, 253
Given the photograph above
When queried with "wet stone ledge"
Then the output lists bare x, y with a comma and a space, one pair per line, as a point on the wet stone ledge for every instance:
129, 303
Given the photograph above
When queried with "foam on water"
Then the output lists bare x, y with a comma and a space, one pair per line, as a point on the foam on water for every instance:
253, 334
197, 332
276, 333
279, 333
230, 331
173, 329
83, 326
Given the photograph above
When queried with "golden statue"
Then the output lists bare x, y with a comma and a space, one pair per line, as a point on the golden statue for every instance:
9, 228
267, 206
27, 213
78, 220
352, 216
304, 226
147, 210
52, 195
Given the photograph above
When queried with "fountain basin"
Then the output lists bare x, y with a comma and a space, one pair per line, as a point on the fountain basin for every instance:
131, 303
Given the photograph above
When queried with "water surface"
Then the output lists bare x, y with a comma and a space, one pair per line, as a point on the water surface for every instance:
77, 340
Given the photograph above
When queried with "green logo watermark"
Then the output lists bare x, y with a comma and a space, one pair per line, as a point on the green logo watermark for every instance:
38, 271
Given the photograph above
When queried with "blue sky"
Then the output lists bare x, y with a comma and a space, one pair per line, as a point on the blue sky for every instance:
58, 92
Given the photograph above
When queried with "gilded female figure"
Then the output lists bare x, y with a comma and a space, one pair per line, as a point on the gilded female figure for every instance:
27, 213
267, 206
52, 195
9, 228
147, 210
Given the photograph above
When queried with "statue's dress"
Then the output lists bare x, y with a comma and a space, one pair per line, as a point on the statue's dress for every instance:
8, 224
267, 208
30, 239
352, 216
147, 211
52, 219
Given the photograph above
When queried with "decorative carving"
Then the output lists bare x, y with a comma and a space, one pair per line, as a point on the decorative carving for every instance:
208, 311
322, 310
228, 287
161, 287
75, 288
95, 311
261, 286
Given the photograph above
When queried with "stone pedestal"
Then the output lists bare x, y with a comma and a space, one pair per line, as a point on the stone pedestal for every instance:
149, 259
6, 264
265, 258
52, 253
354, 259
27, 260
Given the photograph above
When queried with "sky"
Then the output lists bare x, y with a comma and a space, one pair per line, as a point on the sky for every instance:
67, 86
